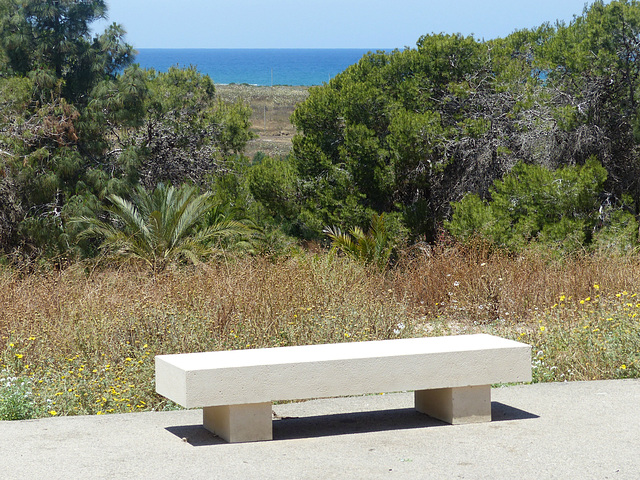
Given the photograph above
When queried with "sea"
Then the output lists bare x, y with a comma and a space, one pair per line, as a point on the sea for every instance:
266, 67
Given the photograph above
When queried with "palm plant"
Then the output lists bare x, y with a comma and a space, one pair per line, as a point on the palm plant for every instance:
163, 226
374, 247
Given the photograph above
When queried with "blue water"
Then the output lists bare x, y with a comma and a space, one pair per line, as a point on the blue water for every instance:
256, 66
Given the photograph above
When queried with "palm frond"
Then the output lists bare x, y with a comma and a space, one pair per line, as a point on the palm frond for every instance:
374, 247
163, 226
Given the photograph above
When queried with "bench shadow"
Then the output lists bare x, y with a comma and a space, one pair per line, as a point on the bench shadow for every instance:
501, 412
290, 428
195, 435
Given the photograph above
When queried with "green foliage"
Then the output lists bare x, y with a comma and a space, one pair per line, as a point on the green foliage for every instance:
558, 208
51, 148
10, 213
49, 41
398, 135
78, 123
188, 98
380, 133
411, 131
273, 182
183, 132
16, 398
618, 235
162, 226
372, 248
593, 62
232, 121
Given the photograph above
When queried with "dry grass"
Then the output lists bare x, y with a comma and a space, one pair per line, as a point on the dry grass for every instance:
272, 107
85, 342
480, 286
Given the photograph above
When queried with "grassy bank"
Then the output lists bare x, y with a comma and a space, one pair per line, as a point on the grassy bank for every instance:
78, 342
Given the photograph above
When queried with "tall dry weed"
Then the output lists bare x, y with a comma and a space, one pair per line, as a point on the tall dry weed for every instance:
235, 304
253, 302
85, 341
476, 284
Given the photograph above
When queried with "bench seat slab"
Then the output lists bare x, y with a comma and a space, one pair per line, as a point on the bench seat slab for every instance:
451, 377
239, 423
456, 405
293, 373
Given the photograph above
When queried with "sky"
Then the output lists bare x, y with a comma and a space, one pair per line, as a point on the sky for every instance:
368, 24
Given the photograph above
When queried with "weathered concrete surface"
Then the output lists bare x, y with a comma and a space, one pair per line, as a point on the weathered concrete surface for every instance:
586, 430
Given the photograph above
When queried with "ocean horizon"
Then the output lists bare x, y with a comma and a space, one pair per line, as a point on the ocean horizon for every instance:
255, 66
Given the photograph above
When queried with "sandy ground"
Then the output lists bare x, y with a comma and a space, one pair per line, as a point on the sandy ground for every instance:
272, 107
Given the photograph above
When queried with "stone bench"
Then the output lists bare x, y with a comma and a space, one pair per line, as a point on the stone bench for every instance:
451, 377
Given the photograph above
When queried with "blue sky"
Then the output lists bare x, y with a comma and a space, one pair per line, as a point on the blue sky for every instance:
366, 24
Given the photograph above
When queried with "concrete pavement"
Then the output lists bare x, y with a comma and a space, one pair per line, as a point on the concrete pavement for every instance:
581, 430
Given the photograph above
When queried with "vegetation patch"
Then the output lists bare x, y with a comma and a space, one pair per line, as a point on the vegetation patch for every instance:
83, 342
460, 186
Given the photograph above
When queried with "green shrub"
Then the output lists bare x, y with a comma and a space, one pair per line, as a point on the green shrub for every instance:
16, 402
557, 208
619, 235
273, 182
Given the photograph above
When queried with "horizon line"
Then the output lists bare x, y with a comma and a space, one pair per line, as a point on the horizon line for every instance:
269, 48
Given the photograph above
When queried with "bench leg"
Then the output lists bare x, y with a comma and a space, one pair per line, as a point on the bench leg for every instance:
456, 405
239, 423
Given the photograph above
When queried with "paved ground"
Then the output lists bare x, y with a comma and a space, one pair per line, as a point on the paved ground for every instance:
581, 430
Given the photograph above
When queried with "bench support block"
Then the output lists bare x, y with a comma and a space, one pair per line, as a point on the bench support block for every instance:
239, 423
456, 405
